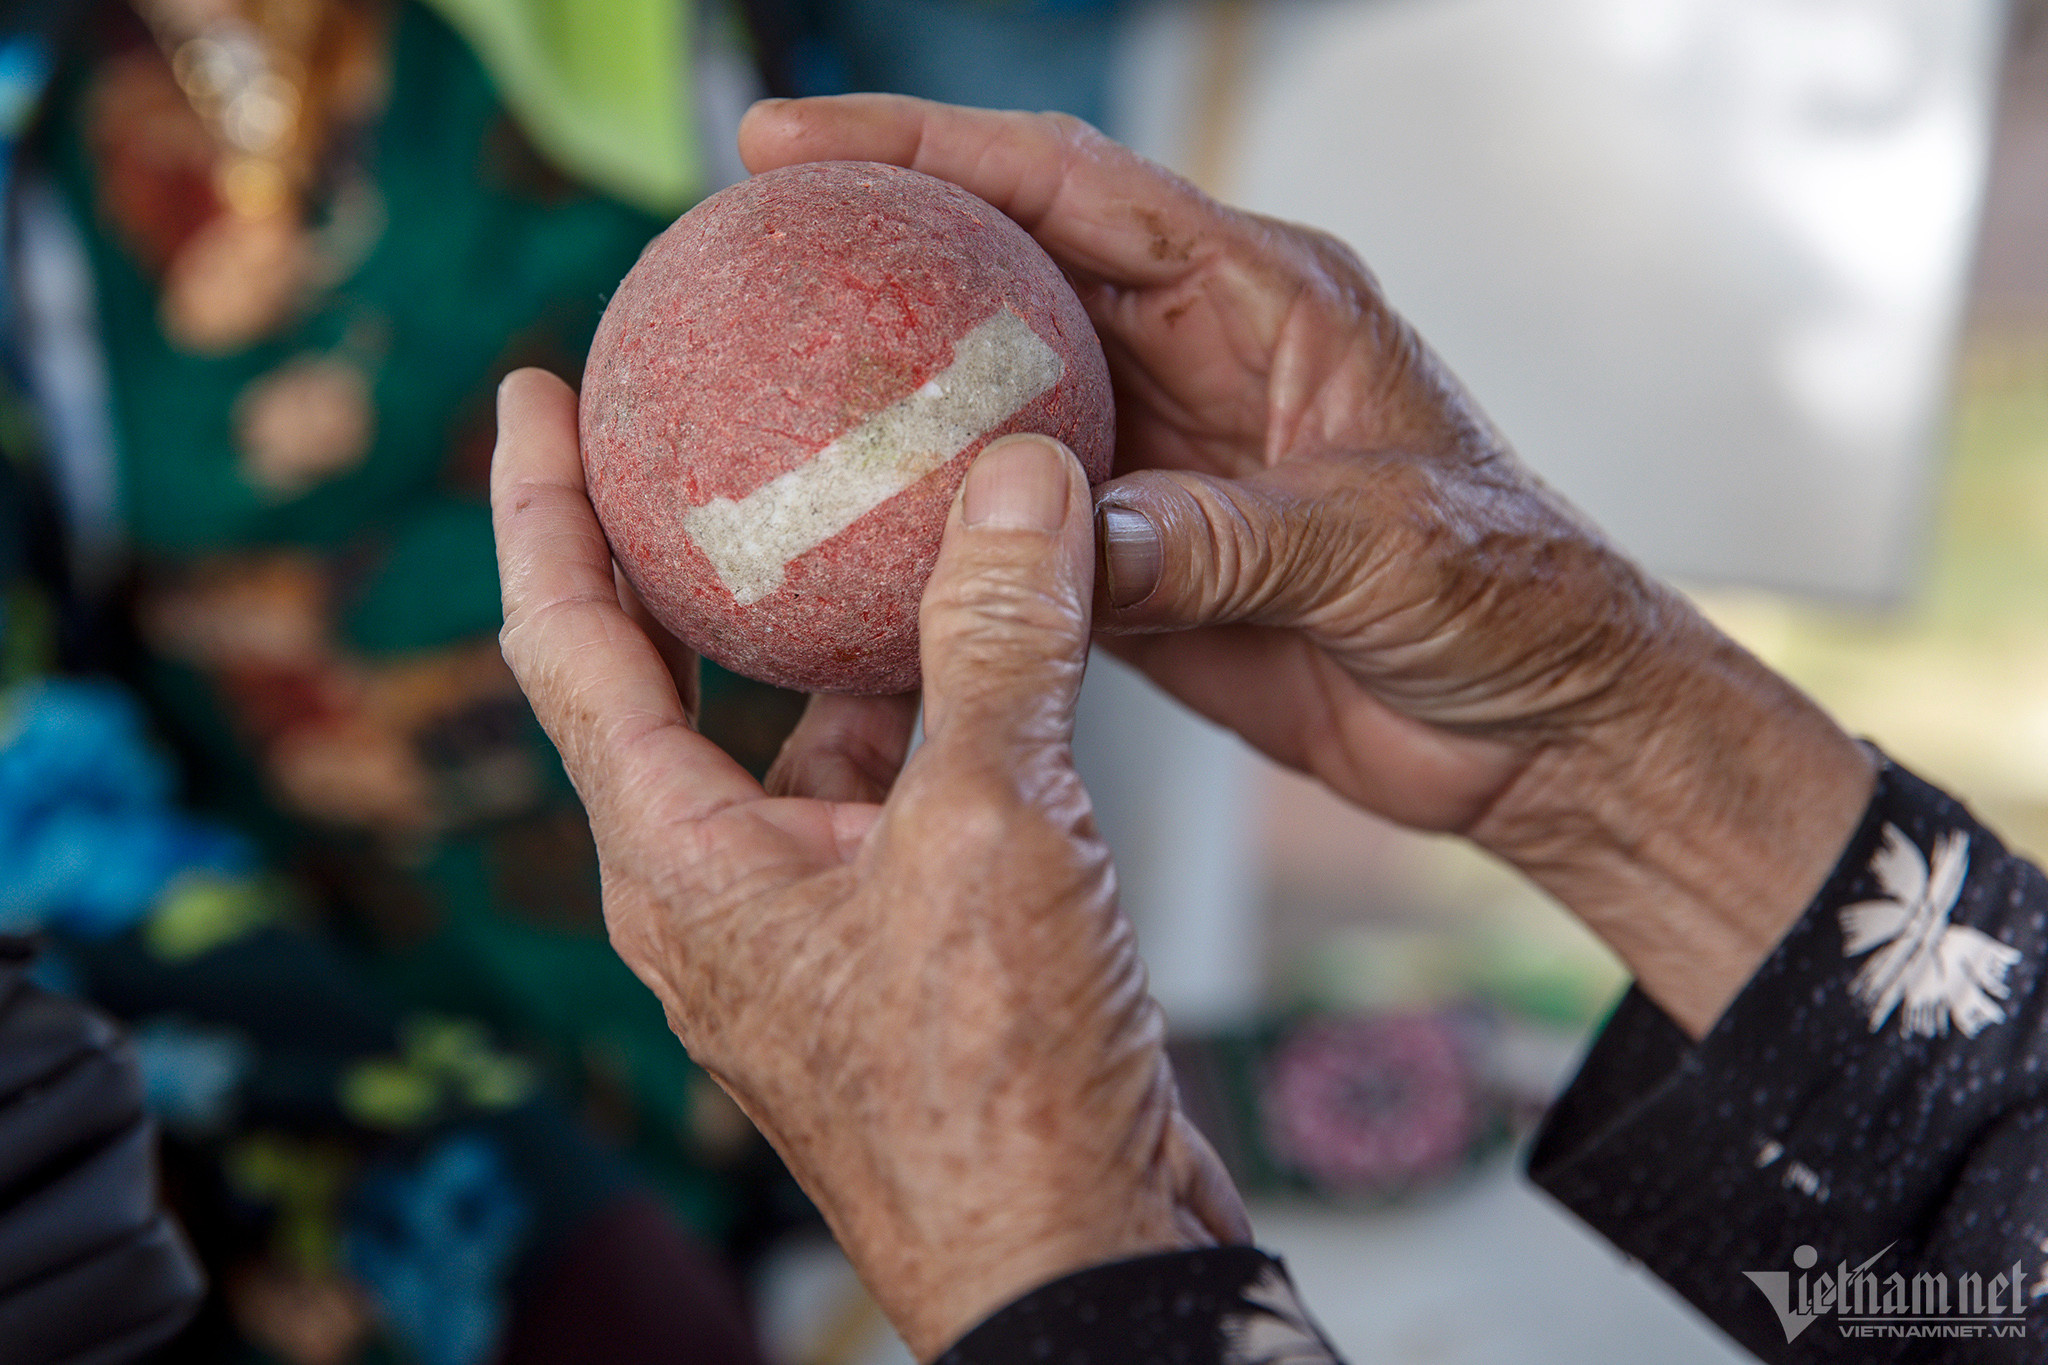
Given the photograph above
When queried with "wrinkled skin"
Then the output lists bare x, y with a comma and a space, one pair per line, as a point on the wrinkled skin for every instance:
1328, 477
913, 976
1359, 576
932, 1006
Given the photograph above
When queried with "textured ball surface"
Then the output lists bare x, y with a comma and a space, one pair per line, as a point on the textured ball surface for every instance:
786, 391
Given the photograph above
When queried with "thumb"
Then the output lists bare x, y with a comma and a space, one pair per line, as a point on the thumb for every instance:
1005, 618
1181, 550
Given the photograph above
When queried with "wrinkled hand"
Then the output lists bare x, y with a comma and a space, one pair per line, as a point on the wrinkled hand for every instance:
931, 1006
1320, 541
1316, 492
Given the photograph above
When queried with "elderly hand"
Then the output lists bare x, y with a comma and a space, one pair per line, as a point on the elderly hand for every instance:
931, 1006
1321, 542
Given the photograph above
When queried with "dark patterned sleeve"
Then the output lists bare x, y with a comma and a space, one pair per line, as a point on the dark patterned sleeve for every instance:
1218, 1306
1853, 1164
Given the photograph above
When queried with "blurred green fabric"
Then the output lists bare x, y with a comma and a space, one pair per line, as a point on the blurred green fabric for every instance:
484, 257
601, 86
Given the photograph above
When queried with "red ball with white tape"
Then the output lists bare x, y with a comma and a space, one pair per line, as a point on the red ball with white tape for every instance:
786, 392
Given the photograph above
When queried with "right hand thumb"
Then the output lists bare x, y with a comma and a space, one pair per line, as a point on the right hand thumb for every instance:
1182, 550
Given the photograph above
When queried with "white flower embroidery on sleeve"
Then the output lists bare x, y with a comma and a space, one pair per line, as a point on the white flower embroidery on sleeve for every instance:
1272, 1328
1942, 973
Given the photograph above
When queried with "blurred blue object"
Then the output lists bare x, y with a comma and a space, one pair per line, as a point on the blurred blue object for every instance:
24, 71
190, 1074
54, 972
433, 1246
88, 836
1042, 54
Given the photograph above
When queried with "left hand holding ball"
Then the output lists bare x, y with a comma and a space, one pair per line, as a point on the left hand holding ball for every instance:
931, 1006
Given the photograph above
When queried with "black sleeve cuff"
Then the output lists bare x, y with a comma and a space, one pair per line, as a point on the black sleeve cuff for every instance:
1206, 1307
1875, 1094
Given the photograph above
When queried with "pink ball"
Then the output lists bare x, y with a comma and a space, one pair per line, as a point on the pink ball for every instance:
786, 391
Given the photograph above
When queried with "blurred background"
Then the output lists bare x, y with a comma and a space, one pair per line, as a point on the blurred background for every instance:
1760, 284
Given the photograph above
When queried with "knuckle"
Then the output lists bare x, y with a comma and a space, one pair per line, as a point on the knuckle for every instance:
999, 606
1074, 131
981, 811
1338, 263
522, 641
517, 647
1235, 549
985, 814
1276, 551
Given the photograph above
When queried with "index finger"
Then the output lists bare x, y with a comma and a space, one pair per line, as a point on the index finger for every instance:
1095, 206
598, 685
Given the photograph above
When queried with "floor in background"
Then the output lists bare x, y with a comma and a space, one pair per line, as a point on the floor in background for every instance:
1488, 1273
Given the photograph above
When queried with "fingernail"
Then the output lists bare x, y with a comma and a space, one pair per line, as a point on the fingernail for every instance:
1132, 556
1017, 484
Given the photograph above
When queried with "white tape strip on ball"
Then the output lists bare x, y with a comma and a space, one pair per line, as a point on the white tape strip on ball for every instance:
997, 368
